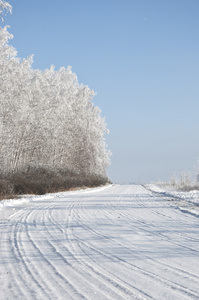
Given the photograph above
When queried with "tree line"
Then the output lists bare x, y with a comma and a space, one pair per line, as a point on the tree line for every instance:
47, 119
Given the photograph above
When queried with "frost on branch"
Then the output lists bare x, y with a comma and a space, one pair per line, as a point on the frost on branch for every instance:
47, 119
4, 7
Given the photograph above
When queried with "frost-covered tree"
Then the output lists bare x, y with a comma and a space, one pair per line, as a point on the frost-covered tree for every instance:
4, 7
47, 119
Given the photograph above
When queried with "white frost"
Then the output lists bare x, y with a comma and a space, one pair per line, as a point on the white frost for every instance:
116, 242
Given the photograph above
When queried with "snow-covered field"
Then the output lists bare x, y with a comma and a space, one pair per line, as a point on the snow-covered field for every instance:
117, 242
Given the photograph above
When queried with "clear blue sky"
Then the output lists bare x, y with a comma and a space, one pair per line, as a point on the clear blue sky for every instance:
142, 59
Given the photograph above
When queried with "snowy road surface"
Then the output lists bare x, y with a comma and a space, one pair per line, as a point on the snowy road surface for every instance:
119, 242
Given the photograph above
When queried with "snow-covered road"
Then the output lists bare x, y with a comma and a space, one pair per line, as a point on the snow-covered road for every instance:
118, 242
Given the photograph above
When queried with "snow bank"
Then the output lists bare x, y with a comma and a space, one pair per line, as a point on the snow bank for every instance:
185, 201
29, 198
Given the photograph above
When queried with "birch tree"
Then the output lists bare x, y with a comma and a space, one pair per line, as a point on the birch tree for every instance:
47, 119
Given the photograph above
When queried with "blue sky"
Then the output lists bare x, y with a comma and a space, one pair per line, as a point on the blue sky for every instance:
142, 59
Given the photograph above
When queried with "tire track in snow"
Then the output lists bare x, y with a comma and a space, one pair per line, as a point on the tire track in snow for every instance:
61, 285
119, 286
13, 286
142, 222
101, 287
50, 272
34, 273
32, 284
83, 256
145, 224
128, 265
56, 248
181, 272
150, 274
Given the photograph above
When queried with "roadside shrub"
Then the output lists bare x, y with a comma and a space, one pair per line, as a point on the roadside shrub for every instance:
6, 189
184, 182
41, 180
